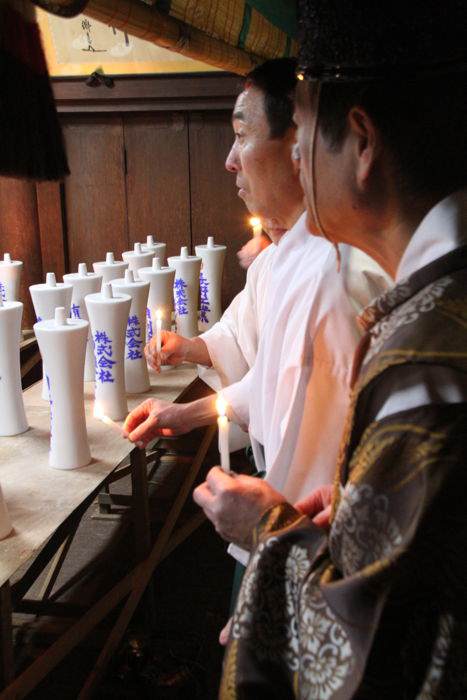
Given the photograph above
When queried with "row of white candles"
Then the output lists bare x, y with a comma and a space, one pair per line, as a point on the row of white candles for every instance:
221, 405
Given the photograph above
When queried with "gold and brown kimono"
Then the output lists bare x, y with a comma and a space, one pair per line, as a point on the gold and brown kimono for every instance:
377, 609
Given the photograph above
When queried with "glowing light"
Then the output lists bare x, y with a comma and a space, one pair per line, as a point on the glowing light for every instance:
221, 406
100, 415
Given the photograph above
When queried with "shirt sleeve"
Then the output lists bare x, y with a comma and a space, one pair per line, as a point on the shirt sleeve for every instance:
223, 343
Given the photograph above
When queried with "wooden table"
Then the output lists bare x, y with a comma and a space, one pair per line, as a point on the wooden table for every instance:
46, 506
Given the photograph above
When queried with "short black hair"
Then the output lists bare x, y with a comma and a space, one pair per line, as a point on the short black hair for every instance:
276, 79
423, 122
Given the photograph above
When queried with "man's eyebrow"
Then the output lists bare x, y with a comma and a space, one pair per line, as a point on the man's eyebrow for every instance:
238, 115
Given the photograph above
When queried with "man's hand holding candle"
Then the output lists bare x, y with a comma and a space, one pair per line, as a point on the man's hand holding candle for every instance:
155, 418
176, 349
234, 503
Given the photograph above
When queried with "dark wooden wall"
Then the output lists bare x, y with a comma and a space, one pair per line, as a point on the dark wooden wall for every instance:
146, 156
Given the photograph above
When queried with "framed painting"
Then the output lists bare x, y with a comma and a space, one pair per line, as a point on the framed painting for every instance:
80, 45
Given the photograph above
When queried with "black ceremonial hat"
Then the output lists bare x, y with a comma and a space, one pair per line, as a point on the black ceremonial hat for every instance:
353, 40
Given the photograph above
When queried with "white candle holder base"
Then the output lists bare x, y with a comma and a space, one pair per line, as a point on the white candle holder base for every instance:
210, 282
46, 298
136, 371
186, 291
13, 421
108, 316
62, 342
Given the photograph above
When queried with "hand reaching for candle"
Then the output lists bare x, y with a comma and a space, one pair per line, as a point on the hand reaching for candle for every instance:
317, 505
176, 349
250, 251
154, 418
234, 503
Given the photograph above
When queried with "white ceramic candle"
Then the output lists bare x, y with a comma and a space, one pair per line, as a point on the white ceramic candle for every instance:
158, 249
13, 420
108, 316
223, 428
256, 226
10, 278
161, 295
210, 282
158, 330
5, 522
110, 269
84, 283
186, 291
46, 298
136, 258
62, 342
136, 370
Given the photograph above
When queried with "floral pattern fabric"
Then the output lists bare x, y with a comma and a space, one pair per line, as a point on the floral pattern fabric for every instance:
376, 609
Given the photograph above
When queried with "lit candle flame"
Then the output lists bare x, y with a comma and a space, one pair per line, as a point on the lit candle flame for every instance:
98, 412
256, 225
221, 406
159, 314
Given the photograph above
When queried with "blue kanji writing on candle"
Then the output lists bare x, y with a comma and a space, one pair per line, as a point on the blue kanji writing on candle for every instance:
50, 401
2, 291
149, 324
204, 307
134, 340
75, 311
180, 297
39, 318
103, 357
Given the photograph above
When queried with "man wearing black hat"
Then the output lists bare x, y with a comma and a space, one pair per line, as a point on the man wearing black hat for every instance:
377, 609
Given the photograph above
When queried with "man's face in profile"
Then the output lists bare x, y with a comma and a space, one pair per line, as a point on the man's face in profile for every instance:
266, 176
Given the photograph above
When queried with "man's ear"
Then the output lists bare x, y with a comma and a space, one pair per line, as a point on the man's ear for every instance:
295, 158
366, 144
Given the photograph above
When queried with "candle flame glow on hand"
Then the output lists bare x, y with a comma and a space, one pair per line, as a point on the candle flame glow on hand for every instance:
100, 415
98, 412
221, 406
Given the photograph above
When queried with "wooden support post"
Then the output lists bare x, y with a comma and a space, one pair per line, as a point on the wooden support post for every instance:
56, 565
142, 524
6, 636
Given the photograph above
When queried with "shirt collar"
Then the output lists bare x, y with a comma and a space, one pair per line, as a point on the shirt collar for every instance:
442, 230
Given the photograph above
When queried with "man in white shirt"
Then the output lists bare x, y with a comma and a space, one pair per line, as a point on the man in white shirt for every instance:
264, 135
300, 316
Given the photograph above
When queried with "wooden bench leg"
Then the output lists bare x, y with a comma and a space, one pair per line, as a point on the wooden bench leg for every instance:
6, 636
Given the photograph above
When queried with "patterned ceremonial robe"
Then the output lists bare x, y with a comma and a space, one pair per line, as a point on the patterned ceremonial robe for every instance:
378, 609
